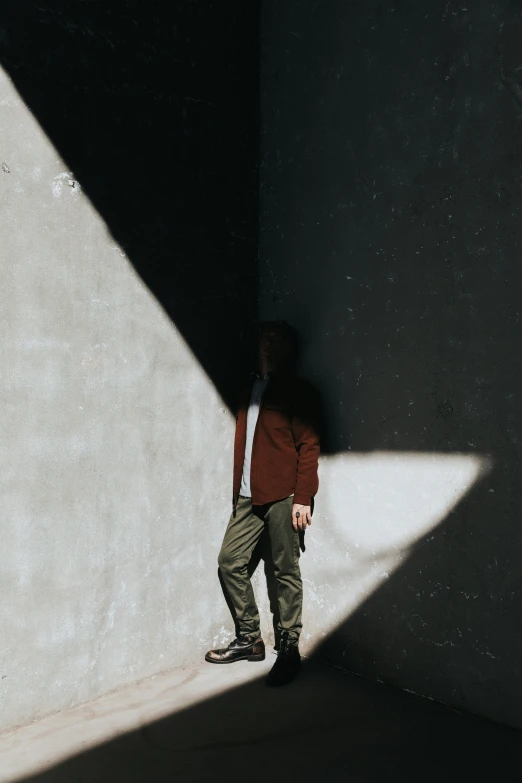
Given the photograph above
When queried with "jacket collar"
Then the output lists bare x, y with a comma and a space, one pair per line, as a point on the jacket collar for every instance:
279, 372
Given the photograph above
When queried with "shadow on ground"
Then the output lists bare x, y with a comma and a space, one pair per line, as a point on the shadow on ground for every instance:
325, 725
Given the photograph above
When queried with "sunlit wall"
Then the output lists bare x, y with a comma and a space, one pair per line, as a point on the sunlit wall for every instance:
116, 451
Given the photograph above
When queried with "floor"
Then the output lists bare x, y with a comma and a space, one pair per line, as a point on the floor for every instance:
221, 723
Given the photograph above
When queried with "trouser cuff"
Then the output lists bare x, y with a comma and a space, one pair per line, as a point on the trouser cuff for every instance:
248, 632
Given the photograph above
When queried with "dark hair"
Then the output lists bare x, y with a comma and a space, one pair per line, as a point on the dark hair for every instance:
286, 333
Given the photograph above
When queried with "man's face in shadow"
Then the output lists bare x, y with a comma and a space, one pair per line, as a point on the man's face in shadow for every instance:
274, 349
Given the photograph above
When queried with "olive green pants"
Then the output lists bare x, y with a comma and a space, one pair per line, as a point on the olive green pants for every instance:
243, 532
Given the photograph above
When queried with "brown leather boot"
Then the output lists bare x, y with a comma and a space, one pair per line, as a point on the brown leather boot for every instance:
243, 648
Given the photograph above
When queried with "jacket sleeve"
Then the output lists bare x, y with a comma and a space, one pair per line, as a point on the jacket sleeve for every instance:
305, 429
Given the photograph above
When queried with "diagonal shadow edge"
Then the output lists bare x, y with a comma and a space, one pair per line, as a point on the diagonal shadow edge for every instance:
157, 279
155, 112
243, 693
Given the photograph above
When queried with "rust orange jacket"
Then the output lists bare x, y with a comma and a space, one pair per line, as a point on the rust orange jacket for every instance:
285, 449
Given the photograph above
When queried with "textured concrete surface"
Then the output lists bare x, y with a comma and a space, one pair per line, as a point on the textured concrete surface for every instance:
390, 235
216, 722
154, 109
116, 445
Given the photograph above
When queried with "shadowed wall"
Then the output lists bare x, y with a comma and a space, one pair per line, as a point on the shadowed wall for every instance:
389, 238
391, 235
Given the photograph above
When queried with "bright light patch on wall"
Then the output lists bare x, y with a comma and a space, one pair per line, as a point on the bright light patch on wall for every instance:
372, 508
117, 450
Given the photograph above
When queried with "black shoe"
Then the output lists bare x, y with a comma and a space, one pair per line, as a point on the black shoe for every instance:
243, 648
288, 663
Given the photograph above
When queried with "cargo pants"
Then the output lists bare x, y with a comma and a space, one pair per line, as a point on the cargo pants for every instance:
243, 532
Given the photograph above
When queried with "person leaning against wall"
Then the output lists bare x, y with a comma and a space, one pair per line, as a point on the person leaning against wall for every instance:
276, 452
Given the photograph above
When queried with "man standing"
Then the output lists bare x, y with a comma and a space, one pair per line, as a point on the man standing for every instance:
276, 453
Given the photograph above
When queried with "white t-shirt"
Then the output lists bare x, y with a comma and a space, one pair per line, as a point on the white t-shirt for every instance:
258, 390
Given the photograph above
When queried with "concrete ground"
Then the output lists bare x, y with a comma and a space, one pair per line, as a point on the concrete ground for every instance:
221, 723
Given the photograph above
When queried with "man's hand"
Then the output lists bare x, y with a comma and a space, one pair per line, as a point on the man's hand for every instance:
301, 516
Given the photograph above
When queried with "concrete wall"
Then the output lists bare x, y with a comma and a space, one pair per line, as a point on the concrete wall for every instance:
391, 236
127, 251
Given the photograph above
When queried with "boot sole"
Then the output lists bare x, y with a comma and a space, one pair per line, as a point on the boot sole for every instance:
259, 657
